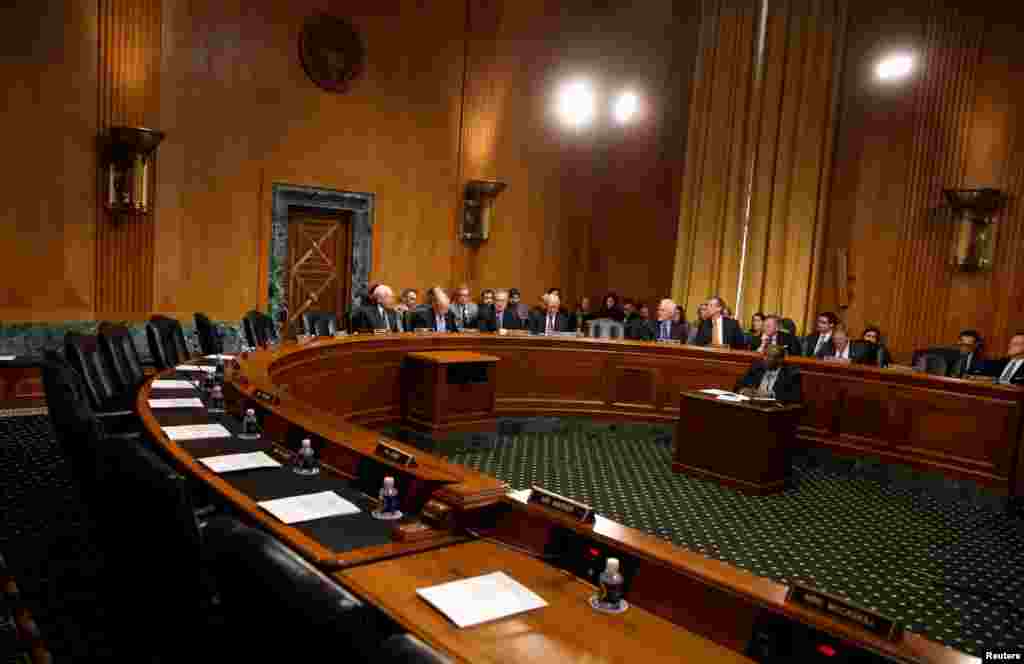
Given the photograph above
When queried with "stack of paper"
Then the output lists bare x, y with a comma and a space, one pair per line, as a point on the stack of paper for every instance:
715, 391
219, 357
226, 463
728, 396
7, 358
311, 506
195, 367
196, 431
481, 598
176, 403
172, 385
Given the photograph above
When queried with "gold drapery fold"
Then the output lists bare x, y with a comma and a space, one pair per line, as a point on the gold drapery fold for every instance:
759, 146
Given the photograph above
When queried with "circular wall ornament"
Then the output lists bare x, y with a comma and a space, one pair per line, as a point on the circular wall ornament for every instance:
331, 52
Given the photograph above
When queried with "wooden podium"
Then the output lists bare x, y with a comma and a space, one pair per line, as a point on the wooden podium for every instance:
449, 395
744, 445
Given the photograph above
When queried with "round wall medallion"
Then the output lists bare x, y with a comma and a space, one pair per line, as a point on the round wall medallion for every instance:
331, 52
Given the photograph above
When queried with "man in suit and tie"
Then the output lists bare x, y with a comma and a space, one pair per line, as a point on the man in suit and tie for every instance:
552, 318
771, 378
772, 335
1010, 369
405, 307
969, 361
821, 341
717, 330
501, 316
516, 304
378, 314
439, 317
466, 311
844, 350
662, 328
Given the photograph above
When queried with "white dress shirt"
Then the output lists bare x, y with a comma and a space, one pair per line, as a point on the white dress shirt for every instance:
1011, 369
843, 354
768, 381
822, 338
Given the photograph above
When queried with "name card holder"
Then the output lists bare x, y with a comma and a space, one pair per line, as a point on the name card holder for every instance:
580, 511
381, 330
844, 609
394, 454
267, 397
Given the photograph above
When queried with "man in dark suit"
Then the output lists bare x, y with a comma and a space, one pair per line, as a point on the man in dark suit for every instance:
821, 341
970, 361
717, 330
552, 318
662, 328
773, 335
501, 316
439, 317
378, 314
1010, 369
465, 310
771, 378
844, 350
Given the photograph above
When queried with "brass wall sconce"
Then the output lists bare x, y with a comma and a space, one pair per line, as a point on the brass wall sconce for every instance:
974, 212
478, 208
127, 155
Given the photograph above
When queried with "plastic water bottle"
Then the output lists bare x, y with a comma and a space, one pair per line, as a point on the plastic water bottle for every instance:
611, 584
389, 496
305, 460
250, 426
218, 374
216, 400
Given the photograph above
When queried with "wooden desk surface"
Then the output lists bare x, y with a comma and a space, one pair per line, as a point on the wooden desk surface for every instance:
765, 405
453, 357
567, 630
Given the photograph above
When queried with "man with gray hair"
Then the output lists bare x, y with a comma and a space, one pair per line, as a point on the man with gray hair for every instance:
501, 316
439, 317
551, 319
465, 310
659, 329
378, 315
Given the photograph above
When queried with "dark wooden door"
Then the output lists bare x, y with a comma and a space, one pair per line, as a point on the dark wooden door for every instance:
319, 254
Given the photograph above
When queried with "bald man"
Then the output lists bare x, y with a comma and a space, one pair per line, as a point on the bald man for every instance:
439, 317
662, 328
378, 314
551, 318
770, 378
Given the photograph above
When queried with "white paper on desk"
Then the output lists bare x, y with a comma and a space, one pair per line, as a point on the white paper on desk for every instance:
717, 392
728, 396
195, 367
481, 598
219, 357
192, 402
196, 431
226, 463
172, 385
308, 507
7, 358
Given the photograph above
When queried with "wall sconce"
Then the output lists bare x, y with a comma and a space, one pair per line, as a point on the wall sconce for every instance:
974, 211
477, 208
127, 156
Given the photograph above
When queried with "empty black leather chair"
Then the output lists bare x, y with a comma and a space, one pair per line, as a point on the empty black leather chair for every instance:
937, 361
266, 588
105, 396
166, 342
319, 323
407, 649
210, 341
787, 325
122, 356
258, 329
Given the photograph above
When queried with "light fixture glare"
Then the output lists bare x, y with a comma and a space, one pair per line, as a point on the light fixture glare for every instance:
576, 103
894, 67
626, 106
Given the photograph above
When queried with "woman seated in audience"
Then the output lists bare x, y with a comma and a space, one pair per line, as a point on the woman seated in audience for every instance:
872, 335
611, 308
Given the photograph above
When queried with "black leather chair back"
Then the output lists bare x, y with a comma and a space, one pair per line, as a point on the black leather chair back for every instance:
209, 339
119, 350
788, 325
83, 354
938, 360
265, 585
166, 342
407, 649
258, 328
319, 323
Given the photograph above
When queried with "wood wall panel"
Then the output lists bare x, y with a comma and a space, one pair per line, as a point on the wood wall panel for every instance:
48, 210
129, 95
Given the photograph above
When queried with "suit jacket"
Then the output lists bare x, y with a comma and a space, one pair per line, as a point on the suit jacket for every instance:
784, 339
995, 369
787, 385
811, 340
367, 319
732, 335
428, 319
861, 352
966, 365
472, 313
648, 330
510, 320
540, 320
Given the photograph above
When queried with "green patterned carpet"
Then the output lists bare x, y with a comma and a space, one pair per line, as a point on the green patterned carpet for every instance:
948, 564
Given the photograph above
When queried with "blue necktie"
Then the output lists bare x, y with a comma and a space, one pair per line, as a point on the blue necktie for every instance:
440, 324
665, 333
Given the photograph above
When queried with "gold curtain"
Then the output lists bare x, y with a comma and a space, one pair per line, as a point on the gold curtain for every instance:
759, 144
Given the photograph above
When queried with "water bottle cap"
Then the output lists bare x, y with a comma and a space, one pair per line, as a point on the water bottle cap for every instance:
612, 566
250, 411
389, 482
305, 442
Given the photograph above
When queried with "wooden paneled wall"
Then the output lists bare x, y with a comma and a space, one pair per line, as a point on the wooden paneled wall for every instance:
956, 122
129, 95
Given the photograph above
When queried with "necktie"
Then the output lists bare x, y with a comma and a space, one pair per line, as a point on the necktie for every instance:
665, 330
440, 323
501, 319
383, 316
551, 324
716, 332
1011, 368
821, 342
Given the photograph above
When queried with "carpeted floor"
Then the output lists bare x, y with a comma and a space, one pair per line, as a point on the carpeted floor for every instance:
949, 567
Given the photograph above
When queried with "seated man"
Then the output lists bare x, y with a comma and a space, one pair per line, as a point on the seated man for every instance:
662, 328
771, 378
439, 317
718, 330
552, 318
465, 310
841, 349
969, 362
821, 341
772, 335
501, 316
405, 307
1010, 369
873, 335
378, 315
